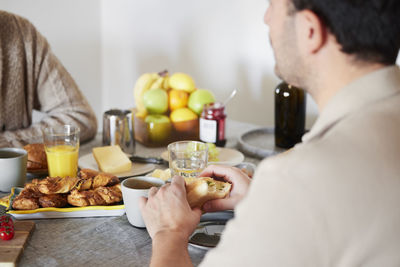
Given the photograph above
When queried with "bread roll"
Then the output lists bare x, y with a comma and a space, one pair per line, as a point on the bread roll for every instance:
203, 189
37, 159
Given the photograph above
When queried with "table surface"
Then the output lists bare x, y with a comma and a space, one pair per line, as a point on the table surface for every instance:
104, 241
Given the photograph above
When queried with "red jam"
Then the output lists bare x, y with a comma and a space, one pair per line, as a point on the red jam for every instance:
212, 124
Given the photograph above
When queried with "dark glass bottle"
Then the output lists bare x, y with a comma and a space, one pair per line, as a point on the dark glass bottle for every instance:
290, 115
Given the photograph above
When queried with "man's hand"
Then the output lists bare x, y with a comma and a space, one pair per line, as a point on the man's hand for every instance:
170, 221
240, 184
167, 211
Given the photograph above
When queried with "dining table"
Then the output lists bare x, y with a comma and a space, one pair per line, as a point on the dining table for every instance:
109, 240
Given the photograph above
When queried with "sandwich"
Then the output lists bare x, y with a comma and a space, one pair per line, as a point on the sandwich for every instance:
202, 189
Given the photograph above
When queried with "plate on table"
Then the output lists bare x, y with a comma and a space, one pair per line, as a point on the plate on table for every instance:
226, 156
88, 162
259, 143
67, 212
209, 230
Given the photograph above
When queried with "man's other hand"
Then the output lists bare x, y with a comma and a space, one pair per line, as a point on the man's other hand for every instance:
240, 184
166, 210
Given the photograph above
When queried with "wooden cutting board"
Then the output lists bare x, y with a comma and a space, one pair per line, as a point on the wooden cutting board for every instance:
11, 250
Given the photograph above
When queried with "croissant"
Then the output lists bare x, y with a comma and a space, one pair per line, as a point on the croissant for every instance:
28, 198
87, 173
95, 197
53, 200
58, 185
101, 179
31, 198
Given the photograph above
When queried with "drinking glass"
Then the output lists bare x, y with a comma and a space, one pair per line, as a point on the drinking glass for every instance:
62, 149
187, 158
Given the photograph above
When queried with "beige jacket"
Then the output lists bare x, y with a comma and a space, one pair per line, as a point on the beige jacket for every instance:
333, 200
31, 77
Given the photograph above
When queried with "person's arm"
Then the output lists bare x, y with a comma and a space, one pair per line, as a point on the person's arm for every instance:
170, 249
170, 221
49, 88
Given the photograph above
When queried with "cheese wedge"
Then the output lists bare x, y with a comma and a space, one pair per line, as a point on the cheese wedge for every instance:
111, 159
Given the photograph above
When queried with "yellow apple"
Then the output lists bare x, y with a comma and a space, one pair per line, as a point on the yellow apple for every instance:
159, 128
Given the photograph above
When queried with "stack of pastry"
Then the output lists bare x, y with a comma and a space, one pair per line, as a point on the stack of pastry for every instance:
90, 188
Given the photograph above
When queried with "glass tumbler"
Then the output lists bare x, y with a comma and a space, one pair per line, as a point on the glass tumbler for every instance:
187, 158
62, 149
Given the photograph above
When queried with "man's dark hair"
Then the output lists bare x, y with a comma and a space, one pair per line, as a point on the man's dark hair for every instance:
368, 29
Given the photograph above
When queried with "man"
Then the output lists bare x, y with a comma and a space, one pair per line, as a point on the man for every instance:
334, 199
32, 78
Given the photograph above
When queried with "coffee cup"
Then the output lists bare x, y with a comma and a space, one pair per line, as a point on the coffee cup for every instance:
13, 168
134, 188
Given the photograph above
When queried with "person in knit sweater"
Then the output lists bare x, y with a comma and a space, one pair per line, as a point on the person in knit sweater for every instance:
32, 78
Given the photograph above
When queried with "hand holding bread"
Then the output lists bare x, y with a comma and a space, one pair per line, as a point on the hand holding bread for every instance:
203, 189
166, 211
240, 183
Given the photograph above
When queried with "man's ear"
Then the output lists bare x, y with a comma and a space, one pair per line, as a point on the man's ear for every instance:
311, 31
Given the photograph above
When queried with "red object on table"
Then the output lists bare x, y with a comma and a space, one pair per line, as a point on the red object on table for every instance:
6, 227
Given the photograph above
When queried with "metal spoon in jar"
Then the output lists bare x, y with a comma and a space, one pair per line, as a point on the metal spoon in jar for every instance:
230, 97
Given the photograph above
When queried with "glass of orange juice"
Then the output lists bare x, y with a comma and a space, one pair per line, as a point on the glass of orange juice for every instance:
62, 149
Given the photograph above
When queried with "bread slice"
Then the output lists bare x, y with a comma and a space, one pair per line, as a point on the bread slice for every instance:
203, 189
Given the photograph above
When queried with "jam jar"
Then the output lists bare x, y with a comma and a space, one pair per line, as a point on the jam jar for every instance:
212, 124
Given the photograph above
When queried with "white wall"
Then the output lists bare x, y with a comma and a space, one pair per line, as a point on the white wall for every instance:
222, 44
107, 44
72, 28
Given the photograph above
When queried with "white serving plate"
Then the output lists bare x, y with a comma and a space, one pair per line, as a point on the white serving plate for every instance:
88, 161
67, 212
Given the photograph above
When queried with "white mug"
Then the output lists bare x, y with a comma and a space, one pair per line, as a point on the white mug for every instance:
134, 188
13, 168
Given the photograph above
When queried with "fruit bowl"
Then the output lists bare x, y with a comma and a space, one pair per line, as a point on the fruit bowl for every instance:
159, 133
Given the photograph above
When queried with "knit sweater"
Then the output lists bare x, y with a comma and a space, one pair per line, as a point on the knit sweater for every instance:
32, 78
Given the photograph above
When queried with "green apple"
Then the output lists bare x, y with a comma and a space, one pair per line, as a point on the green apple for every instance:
159, 127
199, 98
156, 101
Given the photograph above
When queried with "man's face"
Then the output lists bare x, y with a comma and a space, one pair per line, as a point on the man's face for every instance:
282, 35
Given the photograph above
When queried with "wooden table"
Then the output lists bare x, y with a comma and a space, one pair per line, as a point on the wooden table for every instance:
104, 241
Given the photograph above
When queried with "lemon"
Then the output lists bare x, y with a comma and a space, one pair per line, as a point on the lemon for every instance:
182, 114
182, 81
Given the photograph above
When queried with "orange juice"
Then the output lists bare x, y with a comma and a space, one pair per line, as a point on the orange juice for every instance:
62, 160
